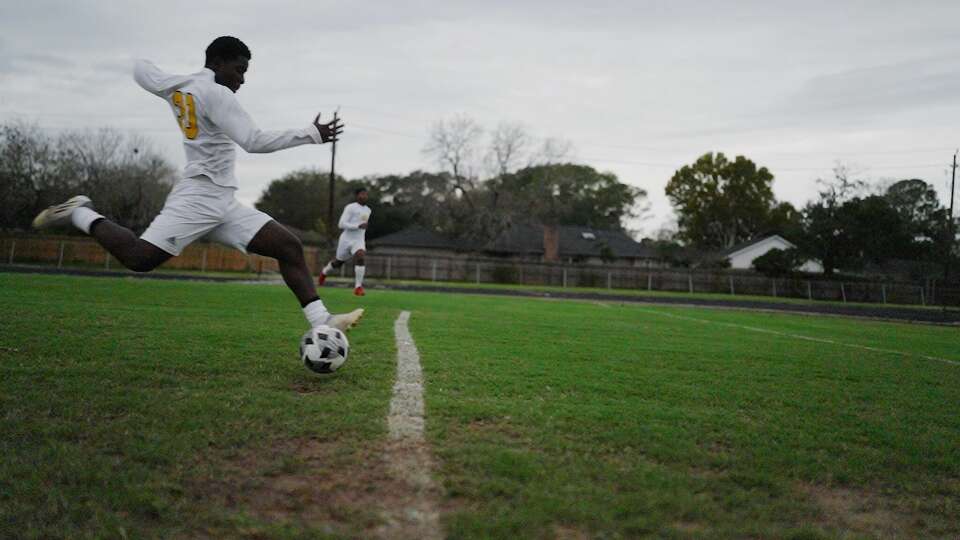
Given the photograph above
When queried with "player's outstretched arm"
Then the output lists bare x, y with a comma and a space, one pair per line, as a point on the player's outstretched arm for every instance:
156, 81
237, 124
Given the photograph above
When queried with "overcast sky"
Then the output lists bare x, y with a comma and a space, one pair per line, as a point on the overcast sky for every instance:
638, 88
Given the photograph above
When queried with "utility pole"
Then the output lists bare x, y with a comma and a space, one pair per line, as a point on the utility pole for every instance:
951, 234
333, 157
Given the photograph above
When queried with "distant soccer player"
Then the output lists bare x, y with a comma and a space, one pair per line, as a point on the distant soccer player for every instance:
202, 203
352, 242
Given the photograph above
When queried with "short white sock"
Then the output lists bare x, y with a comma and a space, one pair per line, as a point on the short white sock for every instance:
83, 217
316, 313
359, 271
327, 269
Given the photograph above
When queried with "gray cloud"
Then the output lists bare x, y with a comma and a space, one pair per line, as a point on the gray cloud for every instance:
878, 90
639, 87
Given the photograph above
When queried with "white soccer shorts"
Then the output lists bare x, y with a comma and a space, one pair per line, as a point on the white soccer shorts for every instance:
347, 247
199, 208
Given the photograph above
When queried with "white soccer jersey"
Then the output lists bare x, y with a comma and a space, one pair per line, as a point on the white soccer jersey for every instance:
212, 120
354, 214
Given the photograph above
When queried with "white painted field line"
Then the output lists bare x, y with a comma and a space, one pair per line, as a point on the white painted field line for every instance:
807, 338
408, 456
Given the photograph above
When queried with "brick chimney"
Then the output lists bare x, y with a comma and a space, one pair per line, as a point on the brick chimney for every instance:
551, 243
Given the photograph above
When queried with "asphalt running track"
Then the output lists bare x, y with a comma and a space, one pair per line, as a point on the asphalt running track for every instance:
917, 315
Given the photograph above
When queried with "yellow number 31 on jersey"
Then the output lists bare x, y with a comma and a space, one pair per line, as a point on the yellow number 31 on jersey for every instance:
186, 114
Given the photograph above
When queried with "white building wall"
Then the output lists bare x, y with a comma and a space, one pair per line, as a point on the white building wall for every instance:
744, 258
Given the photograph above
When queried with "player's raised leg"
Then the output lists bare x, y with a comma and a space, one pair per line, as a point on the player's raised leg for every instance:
134, 253
273, 240
359, 269
330, 267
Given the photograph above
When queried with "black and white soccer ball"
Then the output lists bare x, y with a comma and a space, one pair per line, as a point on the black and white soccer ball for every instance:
324, 349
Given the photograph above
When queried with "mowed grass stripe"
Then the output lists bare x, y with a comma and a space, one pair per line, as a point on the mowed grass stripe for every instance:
564, 418
918, 339
806, 338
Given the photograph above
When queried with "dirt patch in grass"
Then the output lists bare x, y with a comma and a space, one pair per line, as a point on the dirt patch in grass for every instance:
567, 532
861, 511
331, 486
497, 429
305, 388
688, 527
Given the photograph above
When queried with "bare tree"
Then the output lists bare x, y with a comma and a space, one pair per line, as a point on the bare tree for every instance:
552, 150
481, 210
668, 231
843, 186
27, 163
127, 181
508, 142
453, 144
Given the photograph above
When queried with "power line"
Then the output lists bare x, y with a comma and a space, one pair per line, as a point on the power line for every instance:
394, 133
781, 153
789, 169
386, 131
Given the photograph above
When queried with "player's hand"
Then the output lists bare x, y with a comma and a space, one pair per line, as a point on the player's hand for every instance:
363, 225
329, 132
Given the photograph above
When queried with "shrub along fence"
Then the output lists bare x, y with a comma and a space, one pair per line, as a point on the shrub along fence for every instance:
79, 251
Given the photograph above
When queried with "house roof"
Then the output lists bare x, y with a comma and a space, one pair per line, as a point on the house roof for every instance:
730, 251
415, 236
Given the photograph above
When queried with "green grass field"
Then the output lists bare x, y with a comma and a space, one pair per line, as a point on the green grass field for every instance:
155, 409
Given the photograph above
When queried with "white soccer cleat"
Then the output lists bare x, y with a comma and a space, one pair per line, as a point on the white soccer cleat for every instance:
59, 214
345, 321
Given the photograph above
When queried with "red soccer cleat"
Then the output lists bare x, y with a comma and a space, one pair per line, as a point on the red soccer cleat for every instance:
359, 292
321, 279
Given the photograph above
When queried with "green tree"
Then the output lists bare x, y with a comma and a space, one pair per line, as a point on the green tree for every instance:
825, 237
853, 233
876, 231
568, 194
925, 219
721, 202
423, 198
844, 228
300, 199
786, 221
777, 262
552, 194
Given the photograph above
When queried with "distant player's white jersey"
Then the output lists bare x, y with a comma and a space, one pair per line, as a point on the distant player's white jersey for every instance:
212, 120
354, 214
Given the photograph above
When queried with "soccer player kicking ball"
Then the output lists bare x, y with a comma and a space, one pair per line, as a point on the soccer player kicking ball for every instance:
352, 242
202, 203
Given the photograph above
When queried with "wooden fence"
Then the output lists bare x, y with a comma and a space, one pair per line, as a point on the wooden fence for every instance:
80, 251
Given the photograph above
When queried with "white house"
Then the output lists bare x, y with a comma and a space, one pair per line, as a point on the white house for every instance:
742, 255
